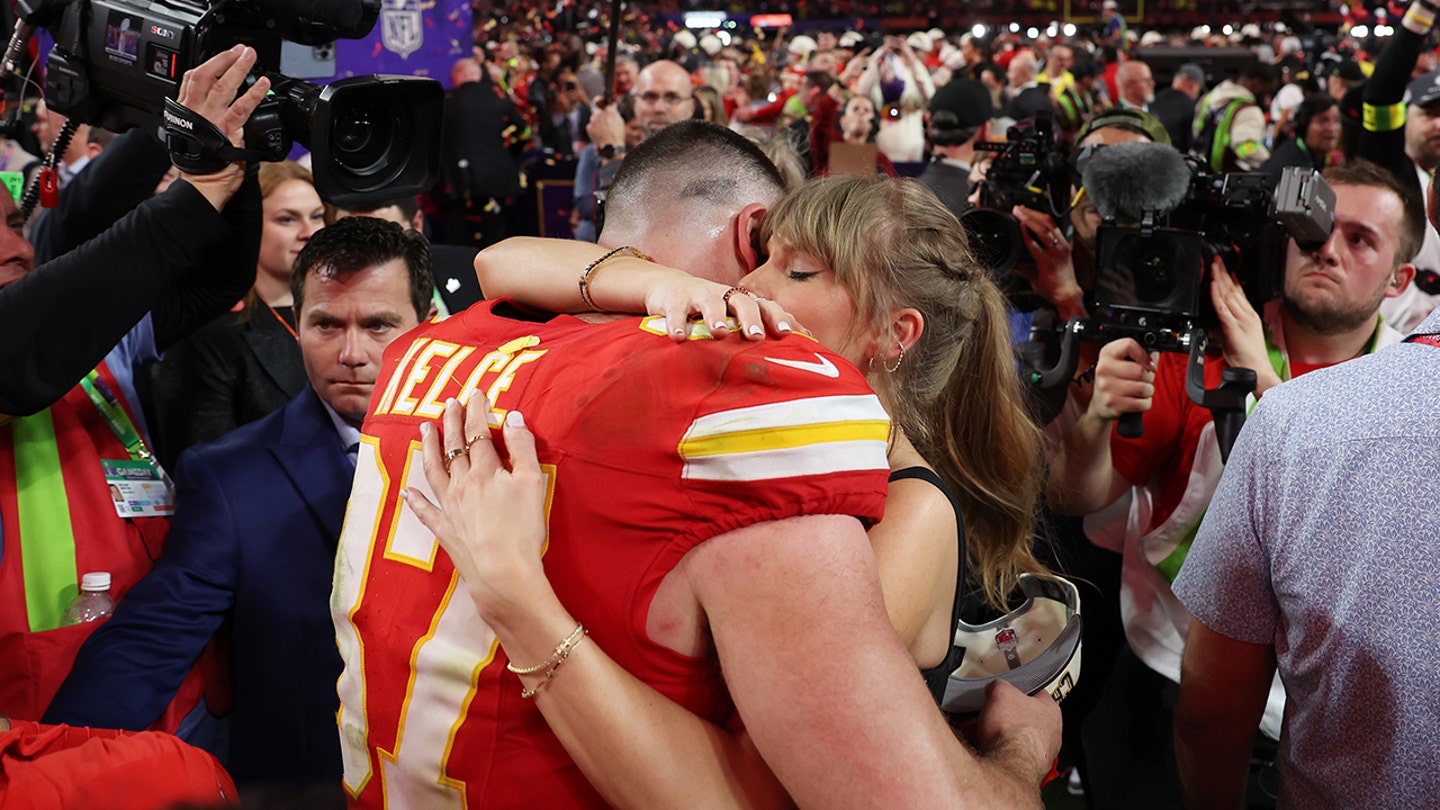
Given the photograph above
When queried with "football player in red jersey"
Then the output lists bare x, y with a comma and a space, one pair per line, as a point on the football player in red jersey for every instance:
705, 501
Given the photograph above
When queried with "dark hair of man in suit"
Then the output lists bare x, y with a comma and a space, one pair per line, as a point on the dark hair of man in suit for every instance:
356, 243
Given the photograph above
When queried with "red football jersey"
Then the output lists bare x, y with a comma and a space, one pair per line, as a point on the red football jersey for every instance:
650, 447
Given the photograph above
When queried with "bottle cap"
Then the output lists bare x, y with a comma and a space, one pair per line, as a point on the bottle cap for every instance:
95, 581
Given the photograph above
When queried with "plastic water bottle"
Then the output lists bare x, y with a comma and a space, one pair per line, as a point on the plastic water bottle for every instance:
94, 602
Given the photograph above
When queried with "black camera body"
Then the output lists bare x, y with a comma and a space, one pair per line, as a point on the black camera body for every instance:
1029, 170
1153, 282
116, 61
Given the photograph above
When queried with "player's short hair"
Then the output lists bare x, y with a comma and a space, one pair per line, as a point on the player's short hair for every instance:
356, 243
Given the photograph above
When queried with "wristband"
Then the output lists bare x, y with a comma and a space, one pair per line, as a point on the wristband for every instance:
196, 145
1419, 18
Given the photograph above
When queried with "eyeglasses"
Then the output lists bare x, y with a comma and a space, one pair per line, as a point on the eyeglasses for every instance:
669, 99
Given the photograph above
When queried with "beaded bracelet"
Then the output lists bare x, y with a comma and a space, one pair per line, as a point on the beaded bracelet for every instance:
550, 673
589, 271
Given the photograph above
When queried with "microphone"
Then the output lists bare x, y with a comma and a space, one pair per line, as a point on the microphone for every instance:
1128, 179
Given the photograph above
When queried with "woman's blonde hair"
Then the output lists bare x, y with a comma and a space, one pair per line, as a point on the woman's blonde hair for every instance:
956, 392
272, 175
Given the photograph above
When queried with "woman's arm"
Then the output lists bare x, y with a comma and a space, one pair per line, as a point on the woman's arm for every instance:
685, 760
918, 557
546, 273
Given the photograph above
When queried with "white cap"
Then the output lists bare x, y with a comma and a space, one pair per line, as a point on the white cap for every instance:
919, 40
685, 39
711, 44
951, 57
802, 45
1250, 30
1152, 38
935, 33
1111, 5
95, 581
850, 39
1289, 45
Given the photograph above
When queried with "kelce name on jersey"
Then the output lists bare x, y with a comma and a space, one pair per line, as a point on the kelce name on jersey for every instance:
430, 372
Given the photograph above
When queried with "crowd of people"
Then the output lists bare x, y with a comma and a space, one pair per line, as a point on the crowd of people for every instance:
418, 504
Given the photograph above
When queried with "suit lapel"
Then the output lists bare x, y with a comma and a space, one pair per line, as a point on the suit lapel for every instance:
309, 451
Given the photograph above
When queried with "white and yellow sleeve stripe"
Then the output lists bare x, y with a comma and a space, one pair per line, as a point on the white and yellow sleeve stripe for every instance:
809, 436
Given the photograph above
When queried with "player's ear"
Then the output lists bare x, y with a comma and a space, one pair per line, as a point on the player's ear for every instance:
747, 237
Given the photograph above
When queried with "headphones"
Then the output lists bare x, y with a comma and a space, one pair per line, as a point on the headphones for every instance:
1137, 121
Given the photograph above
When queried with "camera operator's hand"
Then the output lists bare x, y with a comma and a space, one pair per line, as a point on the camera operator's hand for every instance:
1244, 331
1054, 274
209, 90
1124, 380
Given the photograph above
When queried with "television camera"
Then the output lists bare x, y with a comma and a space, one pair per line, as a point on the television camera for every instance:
115, 62
1165, 217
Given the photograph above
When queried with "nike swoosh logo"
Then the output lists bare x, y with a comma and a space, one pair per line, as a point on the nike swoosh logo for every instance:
824, 368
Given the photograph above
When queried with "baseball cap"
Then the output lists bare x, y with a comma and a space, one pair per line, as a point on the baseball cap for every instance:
802, 45
920, 41
1110, 5
1425, 90
1193, 72
1035, 647
850, 39
966, 100
1351, 71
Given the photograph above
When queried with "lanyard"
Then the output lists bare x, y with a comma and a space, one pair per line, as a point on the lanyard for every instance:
119, 421
283, 322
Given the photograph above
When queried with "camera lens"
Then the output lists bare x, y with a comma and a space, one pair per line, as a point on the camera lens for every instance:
363, 137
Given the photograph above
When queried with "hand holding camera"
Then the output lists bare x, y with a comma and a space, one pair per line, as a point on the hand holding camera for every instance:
1124, 380
1242, 328
210, 91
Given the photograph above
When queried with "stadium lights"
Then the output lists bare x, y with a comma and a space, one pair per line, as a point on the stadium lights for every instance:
704, 19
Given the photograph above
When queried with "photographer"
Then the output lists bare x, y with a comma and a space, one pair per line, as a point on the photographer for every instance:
899, 86
148, 263
1328, 313
183, 257
1066, 263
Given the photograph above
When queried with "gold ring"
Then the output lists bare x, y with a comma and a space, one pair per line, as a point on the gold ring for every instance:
451, 455
725, 299
470, 442
1054, 241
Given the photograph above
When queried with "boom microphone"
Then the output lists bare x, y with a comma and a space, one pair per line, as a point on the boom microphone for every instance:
1129, 179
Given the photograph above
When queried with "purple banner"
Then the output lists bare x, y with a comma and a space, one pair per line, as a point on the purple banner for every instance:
413, 38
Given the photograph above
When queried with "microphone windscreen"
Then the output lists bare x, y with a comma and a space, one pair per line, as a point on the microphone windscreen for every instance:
1128, 179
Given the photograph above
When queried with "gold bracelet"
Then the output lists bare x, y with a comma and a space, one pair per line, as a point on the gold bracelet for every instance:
589, 271
561, 650
532, 692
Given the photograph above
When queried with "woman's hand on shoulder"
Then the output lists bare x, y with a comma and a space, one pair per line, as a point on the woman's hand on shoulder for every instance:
715, 304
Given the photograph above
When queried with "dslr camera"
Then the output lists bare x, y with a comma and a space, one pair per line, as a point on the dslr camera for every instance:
116, 61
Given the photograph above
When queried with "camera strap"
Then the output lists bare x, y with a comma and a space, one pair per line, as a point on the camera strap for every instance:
196, 145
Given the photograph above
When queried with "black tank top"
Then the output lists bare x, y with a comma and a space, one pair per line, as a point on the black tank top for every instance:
936, 676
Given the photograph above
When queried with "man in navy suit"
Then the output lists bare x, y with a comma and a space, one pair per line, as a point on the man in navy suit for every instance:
257, 517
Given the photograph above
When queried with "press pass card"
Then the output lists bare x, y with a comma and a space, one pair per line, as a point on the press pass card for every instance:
138, 489
14, 183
